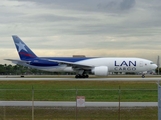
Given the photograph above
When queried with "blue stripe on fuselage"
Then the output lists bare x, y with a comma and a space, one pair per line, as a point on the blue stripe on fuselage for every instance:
41, 62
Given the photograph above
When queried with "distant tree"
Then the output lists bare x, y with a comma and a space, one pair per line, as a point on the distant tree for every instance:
156, 70
21, 70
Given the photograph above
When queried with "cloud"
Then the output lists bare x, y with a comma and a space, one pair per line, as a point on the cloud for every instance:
109, 6
91, 27
127, 4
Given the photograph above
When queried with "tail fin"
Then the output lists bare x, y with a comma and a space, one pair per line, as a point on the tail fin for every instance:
22, 49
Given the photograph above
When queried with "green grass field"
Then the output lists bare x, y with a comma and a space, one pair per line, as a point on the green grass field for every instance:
66, 91
55, 113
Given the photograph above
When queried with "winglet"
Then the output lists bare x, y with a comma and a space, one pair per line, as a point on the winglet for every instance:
23, 50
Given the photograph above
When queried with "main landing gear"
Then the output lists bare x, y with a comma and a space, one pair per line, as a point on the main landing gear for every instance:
143, 76
81, 76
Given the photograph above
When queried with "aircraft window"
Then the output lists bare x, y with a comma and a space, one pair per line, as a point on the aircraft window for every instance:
151, 63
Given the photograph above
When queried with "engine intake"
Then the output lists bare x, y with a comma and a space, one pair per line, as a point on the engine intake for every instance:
100, 71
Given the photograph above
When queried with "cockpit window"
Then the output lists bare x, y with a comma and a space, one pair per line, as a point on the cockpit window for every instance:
151, 63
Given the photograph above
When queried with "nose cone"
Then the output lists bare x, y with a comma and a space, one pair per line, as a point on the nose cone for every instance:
154, 66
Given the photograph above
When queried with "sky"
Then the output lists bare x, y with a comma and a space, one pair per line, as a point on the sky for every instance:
102, 28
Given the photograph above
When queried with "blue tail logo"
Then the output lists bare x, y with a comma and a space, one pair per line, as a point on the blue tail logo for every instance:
23, 50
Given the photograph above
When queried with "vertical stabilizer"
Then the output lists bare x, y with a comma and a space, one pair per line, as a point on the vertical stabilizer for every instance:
23, 50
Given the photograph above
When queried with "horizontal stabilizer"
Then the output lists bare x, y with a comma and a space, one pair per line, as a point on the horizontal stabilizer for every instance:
18, 61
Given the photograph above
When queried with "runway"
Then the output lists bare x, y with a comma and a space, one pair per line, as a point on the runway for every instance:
73, 104
81, 79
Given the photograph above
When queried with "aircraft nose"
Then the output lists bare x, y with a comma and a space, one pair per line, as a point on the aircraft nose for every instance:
154, 66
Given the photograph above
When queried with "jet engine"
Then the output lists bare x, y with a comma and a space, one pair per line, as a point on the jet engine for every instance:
100, 71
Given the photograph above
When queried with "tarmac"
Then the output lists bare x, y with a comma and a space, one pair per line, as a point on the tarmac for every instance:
72, 104
80, 79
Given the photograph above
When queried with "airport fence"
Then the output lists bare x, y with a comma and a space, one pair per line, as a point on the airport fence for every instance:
64, 104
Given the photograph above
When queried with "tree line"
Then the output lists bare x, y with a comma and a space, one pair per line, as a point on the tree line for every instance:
21, 70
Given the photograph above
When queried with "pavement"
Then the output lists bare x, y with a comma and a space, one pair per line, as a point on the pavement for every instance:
73, 104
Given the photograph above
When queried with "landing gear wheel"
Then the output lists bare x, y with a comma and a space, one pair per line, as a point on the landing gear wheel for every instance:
81, 76
86, 76
77, 76
143, 76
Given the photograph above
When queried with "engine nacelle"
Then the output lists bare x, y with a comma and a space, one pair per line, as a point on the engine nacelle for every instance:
100, 71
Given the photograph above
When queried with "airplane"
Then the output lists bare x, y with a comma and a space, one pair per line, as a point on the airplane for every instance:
82, 66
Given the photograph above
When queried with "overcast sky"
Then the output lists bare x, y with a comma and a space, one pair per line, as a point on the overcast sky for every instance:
105, 28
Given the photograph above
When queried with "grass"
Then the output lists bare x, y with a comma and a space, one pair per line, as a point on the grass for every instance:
51, 113
66, 90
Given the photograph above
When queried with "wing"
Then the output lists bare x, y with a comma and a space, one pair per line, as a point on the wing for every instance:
72, 64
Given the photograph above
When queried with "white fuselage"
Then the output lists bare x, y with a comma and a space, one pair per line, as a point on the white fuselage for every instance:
113, 64
121, 64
